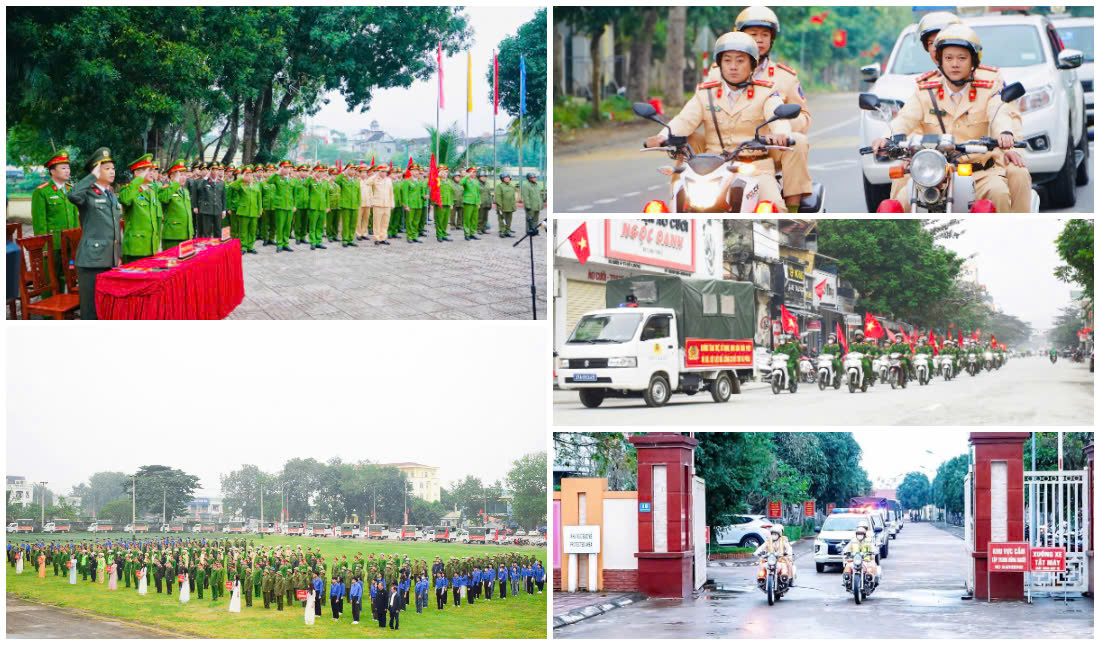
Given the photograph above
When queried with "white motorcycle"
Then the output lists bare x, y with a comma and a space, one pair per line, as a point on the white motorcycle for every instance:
897, 374
825, 375
806, 370
853, 369
880, 365
987, 360
859, 576
920, 364
778, 375
972, 366
947, 366
721, 183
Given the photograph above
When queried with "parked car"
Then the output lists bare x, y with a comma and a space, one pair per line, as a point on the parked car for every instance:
1025, 48
745, 530
1077, 33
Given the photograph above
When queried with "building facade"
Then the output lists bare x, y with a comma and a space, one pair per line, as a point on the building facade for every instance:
424, 480
205, 508
22, 491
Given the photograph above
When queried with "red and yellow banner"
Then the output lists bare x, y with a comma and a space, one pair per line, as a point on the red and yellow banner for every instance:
703, 352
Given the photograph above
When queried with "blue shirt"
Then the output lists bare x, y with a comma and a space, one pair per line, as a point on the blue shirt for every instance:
357, 590
318, 585
336, 590
539, 574
440, 582
489, 575
476, 576
503, 575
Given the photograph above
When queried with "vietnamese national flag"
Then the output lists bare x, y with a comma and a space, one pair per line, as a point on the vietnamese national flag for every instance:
820, 291
935, 347
790, 323
840, 337
889, 335
579, 240
993, 339
434, 194
977, 334
872, 328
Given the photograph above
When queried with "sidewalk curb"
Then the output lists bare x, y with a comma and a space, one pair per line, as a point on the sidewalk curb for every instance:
596, 609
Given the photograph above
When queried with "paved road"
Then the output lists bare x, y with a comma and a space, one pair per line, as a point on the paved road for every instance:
1026, 391
920, 597
618, 178
31, 620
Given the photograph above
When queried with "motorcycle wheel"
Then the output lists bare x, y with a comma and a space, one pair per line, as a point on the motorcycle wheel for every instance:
855, 592
904, 381
863, 388
771, 594
821, 384
836, 381
893, 379
775, 384
851, 385
794, 386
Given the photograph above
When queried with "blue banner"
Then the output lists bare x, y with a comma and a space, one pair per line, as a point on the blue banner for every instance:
522, 86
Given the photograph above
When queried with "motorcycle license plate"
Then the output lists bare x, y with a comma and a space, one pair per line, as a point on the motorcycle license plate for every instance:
584, 378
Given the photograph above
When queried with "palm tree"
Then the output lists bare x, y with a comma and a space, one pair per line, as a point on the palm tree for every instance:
450, 140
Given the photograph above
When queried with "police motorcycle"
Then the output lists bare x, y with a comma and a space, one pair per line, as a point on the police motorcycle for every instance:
946, 366
941, 180
897, 375
859, 575
880, 365
778, 374
773, 578
825, 375
806, 372
987, 360
920, 365
721, 183
972, 365
853, 371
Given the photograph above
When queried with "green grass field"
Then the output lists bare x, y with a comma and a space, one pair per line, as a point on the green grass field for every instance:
520, 617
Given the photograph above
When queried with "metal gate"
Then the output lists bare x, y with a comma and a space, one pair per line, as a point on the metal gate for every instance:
1056, 514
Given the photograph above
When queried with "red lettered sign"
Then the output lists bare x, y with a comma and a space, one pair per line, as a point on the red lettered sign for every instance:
229, 585
180, 577
775, 510
704, 352
302, 594
809, 508
1008, 556
708, 535
1045, 558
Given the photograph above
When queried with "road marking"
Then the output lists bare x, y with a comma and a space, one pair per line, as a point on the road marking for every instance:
833, 165
654, 187
933, 407
606, 201
836, 126
582, 208
637, 192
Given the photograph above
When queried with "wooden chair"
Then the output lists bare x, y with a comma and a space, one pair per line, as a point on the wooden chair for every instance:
35, 278
70, 240
14, 231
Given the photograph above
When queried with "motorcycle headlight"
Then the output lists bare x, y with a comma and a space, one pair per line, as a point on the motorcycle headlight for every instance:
623, 361
703, 193
1036, 99
771, 559
928, 168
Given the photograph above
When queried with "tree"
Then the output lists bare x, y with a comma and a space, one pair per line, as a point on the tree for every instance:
1046, 450
674, 60
915, 491
736, 466
599, 454
118, 511
527, 479
1071, 319
102, 487
947, 487
162, 488
847, 479
241, 492
641, 48
299, 482
894, 264
1075, 247
530, 42
591, 22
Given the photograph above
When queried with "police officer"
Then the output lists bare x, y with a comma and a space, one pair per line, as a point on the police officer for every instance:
506, 204
176, 202
963, 101
282, 203
141, 233
486, 202
446, 200
100, 217
730, 110
51, 212
834, 348
471, 200
531, 195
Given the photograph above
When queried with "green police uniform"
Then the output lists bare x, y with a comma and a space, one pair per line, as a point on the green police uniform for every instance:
456, 190
52, 213
140, 236
178, 225
903, 349
446, 201
869, 351
506, 205
471, 200
100, 246
396, 214
282, 202
200, 579
349, 207
925, 349
317, 205
301, 203
531, 195
793, 350
414, 202
483, 207
267, 215
333, 215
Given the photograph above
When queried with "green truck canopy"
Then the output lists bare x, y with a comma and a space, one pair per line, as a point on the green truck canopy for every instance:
716, 309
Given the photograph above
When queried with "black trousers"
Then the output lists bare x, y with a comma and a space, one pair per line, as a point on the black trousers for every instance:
395, 619
168, 581
530, 585
158, 580
333, 607
356, 607
488, 590
457, 596
381, 614
539, 583
191, 584
440, 597
279, 599
210, 225
317, 602
86, 278
503, 588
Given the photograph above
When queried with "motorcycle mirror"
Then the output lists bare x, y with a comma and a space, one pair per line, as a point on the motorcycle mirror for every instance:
788, 111
868, 101
647, 111
1012, 92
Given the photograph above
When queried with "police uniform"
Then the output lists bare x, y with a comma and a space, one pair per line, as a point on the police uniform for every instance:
141, 231
178, 223
100, 217
738, 113
52, 213
506, 205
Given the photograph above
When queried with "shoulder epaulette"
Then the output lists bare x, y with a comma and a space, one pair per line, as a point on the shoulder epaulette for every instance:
42, 185
929, 85
988, 84
927, 75
786, 69
989, 68
709, 84
763, 83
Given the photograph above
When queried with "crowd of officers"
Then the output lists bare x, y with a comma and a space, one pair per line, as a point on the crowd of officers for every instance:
274, 574
162, 207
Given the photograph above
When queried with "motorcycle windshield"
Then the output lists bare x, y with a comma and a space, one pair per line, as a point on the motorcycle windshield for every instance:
705, 164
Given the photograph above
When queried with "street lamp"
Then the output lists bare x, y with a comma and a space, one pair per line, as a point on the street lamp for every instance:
133, 506
42, 492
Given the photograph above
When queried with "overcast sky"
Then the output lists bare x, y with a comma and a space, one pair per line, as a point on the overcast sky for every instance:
1016, 258
403, 112
385, 391
889, 453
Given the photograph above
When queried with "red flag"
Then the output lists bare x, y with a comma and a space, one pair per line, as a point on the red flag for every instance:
840, 38
818, 19
820, 290
872, 328
372, 161
579, 240
889, 335
993, 339
840, 337
977, 334
790, 323
935, 347
496, 72
439, 61
950, 325
960, 337
408, 167
434, 194
904, 337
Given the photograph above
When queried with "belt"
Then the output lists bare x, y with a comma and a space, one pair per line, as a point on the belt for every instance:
989, 163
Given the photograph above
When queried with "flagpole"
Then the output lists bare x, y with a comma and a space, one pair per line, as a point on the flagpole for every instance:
496, 168
468, 109
522, 101
439, 97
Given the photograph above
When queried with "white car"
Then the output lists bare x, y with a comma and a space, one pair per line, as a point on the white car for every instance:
1027, 49
839, 529
1077, 33
745, 530
13, 527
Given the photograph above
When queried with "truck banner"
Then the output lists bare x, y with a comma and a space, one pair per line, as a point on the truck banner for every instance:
704, 352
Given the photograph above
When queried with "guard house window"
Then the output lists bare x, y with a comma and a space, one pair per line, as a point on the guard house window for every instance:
658, 326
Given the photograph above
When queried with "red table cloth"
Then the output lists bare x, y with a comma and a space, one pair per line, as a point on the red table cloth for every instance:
207, 286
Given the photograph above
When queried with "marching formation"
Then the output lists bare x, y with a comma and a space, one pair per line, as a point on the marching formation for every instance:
280, 576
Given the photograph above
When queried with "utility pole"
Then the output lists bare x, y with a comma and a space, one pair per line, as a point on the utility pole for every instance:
164, 506
133, 505
262, 527
42, 492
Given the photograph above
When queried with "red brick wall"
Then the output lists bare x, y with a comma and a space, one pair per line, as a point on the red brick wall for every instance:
557, 579
620, 579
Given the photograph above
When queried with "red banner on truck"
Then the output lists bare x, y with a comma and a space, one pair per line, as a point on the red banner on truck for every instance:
706, 352
1008, 557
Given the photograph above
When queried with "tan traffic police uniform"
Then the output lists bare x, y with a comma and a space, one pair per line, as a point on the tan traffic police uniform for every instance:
738, 113
966, 115
796, 179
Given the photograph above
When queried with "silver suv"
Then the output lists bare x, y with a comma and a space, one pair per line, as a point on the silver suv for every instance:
1026, 48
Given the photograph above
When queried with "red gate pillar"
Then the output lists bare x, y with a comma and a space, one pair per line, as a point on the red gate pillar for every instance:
997, 522
665, 543
1092, 502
